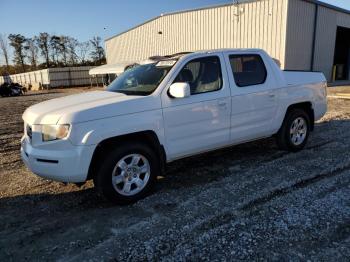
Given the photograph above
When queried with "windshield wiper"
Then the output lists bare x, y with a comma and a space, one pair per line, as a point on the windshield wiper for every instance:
132, 93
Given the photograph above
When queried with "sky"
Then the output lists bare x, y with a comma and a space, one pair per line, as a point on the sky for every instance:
86, 18
83, 19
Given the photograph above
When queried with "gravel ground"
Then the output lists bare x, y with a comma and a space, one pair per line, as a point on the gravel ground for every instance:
249, 202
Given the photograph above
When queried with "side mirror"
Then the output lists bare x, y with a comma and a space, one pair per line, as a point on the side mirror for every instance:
180, 90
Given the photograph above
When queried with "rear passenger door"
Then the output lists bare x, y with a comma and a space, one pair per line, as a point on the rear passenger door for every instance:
253, 96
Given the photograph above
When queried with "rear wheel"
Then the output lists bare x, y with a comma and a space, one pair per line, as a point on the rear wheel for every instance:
294, 132
128, 173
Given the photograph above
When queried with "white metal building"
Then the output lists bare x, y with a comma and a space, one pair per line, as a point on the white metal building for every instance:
301, 34
54, 77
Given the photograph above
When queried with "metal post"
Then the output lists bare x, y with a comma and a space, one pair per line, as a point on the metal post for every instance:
48, 78
312, 64
69, 78
41, 77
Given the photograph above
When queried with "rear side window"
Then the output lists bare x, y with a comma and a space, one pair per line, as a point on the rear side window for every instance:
202, 74
248, 70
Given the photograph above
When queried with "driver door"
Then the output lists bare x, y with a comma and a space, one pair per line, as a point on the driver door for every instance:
200, 122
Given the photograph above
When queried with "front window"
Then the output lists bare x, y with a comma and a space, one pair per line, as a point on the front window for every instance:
202, 74
141, 79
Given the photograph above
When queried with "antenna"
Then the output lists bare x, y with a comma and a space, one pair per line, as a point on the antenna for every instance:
238, 10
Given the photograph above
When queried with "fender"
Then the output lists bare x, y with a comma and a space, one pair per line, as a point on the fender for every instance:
290, 96
92, 133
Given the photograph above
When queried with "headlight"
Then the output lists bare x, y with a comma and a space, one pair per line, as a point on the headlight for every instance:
54, 132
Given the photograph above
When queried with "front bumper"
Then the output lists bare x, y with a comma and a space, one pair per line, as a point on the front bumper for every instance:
68, 164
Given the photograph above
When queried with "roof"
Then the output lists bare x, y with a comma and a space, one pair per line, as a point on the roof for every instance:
167, 57
109, 69
317, 2
120, 67
330, 6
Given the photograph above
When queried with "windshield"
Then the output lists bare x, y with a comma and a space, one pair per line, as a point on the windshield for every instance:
140, 80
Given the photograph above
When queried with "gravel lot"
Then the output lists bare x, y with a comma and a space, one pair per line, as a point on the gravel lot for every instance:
249, 202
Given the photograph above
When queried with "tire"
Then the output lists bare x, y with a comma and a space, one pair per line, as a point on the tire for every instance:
118, 175
295, 130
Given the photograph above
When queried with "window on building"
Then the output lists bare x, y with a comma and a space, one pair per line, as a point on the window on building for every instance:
248, 70
202, 74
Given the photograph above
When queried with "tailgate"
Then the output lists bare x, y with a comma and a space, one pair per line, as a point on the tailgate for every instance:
302, 78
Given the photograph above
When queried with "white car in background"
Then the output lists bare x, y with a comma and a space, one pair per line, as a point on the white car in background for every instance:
178, 106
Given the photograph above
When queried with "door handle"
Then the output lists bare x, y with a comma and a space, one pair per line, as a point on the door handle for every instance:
222, 103
272, 95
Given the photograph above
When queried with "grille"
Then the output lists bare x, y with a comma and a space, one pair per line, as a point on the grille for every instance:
29, 131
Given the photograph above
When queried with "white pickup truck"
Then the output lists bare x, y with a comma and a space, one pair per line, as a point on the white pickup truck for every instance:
164, 110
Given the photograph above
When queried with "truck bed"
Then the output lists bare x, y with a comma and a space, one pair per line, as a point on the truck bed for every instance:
302, 77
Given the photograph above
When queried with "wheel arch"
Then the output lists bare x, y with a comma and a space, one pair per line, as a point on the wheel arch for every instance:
307, 107
147, 137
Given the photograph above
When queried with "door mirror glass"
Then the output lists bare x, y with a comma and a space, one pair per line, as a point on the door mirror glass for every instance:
180, 90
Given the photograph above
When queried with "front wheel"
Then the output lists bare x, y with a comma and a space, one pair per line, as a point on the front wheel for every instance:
128, 173
295, 130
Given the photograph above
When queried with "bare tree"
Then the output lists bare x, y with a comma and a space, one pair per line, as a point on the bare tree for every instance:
43, 42
72, 53
83, 48
63, 48
32, 52
17, 41
55, 48
97, 53
4, 47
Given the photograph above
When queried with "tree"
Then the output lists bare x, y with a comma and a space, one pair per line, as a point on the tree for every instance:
97, 53
43, 42
55, 48
83, 48
63, 48
72, 52
17, 41
4, 47
32, 52
45, 50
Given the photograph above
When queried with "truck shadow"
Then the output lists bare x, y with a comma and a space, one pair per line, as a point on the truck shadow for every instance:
215, 165
32, 94
70, 207
68, 215
184, 173
42, 93
212, 166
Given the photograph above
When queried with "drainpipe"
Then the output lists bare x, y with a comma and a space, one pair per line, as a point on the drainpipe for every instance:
312, 66
348, 76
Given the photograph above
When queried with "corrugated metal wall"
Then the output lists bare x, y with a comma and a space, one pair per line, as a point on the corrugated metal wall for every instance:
36, 79
300, 31
258, 24
70, 76
55, 77
328, 20
325, 40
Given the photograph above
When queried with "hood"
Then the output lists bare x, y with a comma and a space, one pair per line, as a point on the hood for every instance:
87, 107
